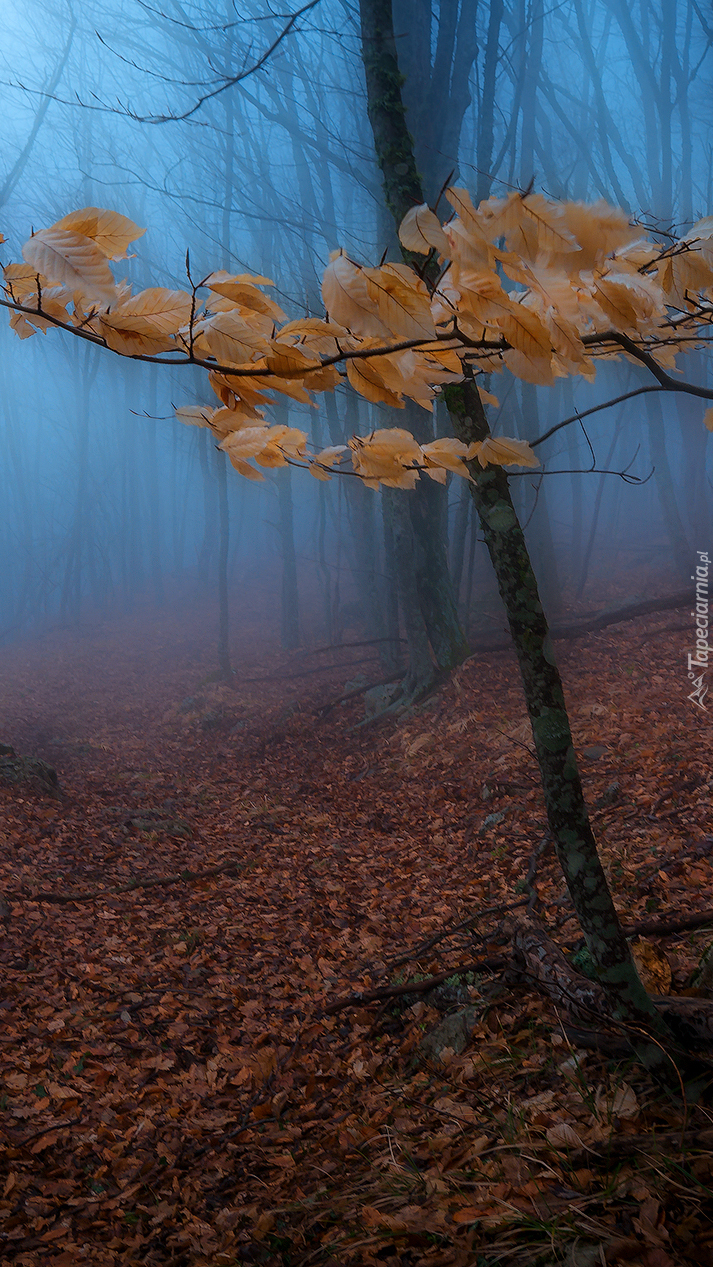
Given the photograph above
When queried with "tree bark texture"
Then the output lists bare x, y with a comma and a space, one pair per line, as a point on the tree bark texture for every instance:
564, 798
402, 190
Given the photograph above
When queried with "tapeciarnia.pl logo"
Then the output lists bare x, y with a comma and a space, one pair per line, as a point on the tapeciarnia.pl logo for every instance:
699, 660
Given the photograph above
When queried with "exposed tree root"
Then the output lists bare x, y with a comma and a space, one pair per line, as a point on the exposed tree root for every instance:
536, 955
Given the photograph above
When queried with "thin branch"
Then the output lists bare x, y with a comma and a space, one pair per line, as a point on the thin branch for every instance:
584, 413
228, 83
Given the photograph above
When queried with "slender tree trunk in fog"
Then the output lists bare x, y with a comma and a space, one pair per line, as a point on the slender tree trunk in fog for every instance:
575, 485
71, 601
225, 670
391, 652
540, 528
290, 624
224, 667
675, 530
592, 536
486, 114
207, 550
564, 799
325, 576
436, 609
153, 486
420, 664
460, 531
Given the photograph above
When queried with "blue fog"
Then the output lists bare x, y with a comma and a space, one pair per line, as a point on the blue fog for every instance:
107, 504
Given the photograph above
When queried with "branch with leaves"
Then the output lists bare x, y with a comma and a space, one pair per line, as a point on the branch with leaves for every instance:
541, 288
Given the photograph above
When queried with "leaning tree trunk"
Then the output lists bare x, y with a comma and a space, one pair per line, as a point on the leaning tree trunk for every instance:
564, 798
561, 783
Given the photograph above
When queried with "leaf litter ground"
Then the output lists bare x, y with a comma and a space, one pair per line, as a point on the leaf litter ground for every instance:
180, 1084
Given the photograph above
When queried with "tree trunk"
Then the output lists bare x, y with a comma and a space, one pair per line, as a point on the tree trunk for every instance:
564, 798
390, 652
224, 666
561, 783
680, 549
290, 623
436, 605
421, 669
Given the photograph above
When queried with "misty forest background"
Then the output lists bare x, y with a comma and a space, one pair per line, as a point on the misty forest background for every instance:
107, 503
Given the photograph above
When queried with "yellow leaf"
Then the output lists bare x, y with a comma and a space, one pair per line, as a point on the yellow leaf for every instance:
109, 230
364, 376
708, 419
72, 260
684, 274
229, 338
472, 218
283, 442
652, 966
244, 468
502, 451
525, 332
488, 398
287, 386
420, 231
21, 326
195, 415
268, 445
402, 301
482, 295
289, 362
147, 322
22, 279
53, 299
326, 458
534, 226
468, 250
537, 370
241, 288
627, 300
317, 335
448, 453
347, 300
390, 457
598, 230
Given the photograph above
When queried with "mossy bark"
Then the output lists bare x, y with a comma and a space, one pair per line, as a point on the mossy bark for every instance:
437, 607
564, 798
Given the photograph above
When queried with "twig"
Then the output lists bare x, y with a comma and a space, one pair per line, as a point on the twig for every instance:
667, 928
455, 928
414, 987
621, 1145
360, 690
180, 877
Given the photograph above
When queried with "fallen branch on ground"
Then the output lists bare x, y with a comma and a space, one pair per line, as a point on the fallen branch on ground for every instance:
150, 882
632, 611
413, 987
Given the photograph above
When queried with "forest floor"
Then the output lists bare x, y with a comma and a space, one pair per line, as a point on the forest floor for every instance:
224, 865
